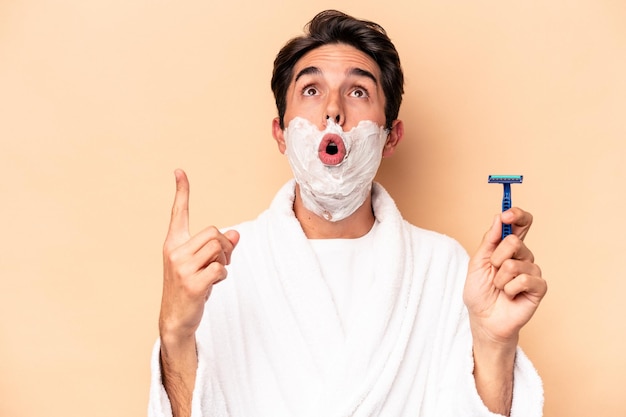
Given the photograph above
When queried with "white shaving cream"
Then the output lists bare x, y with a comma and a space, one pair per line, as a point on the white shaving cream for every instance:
334, 192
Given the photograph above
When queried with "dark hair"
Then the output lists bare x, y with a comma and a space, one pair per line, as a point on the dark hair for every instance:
332, 27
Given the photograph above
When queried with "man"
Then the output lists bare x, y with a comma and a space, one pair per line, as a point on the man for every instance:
335, 306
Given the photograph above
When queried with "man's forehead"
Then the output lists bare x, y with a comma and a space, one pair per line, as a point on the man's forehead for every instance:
337, 58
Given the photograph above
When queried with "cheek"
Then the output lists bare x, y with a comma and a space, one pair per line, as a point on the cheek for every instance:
355, 113
311, 108
307, 110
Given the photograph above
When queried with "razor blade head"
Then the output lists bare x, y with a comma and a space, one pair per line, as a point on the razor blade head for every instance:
506, 179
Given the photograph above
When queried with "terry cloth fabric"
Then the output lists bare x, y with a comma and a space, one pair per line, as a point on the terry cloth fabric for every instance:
272, 341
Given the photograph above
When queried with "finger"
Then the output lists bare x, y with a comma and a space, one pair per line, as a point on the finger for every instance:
491, 239
227, 241
512, 247
212, 233
212, 274
179, 222
519, 220
532, 286
211, 252
208, 246
513, 268
204, 279
219, 256
233, 236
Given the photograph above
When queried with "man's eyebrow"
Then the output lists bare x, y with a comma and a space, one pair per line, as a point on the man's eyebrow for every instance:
363, 73
359, 72
307, 71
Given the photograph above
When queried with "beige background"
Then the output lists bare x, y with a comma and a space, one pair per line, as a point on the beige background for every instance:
100, 100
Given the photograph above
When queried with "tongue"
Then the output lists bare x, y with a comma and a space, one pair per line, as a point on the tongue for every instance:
332, 150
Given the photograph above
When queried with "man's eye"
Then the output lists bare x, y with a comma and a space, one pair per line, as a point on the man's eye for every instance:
310, 91
359, 93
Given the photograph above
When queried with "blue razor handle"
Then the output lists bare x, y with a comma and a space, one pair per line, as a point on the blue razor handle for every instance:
506, 181
506, 204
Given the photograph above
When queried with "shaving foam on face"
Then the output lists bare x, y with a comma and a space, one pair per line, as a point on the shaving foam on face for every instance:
334, 192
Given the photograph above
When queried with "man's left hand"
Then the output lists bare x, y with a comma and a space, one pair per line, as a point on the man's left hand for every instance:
504, 285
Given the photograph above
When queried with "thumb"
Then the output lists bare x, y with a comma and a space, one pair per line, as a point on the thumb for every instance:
491, 239
233, 236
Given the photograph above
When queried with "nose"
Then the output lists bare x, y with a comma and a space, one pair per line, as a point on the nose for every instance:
334, 110
336, 119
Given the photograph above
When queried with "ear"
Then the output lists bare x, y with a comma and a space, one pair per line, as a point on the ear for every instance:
395, 136
278, 134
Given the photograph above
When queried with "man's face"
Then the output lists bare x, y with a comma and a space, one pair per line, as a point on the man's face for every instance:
341, 83
338, 82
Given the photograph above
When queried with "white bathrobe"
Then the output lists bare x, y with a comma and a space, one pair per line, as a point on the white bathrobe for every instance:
272, 341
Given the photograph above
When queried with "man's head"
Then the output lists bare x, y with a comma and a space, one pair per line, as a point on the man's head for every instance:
331, 28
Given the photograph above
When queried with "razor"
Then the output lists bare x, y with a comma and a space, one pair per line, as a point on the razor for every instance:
506, 181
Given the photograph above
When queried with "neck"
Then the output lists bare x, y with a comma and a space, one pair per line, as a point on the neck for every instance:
315, 227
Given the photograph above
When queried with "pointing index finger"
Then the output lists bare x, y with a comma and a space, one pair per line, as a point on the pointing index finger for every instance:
179, 222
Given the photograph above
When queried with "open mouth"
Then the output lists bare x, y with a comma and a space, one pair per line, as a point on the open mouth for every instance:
332, 150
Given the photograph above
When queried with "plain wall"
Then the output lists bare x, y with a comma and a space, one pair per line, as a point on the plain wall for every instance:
100, 101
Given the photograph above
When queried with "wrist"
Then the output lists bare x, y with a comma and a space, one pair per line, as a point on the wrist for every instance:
495, 337
173, 330
494, 353
177, 342
494, 361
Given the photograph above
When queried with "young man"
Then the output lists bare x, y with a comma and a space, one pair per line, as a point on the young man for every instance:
335, 306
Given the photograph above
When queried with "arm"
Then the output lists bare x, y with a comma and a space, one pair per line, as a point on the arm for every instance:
502, 292
493, 374
191, 266
179, 362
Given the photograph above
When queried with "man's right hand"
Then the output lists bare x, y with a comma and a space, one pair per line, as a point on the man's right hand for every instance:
191, 266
